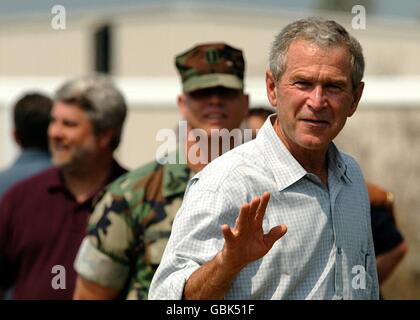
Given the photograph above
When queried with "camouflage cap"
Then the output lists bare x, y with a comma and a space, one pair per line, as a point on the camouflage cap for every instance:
211, 65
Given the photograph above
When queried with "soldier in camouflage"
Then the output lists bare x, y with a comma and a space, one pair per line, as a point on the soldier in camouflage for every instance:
131, 224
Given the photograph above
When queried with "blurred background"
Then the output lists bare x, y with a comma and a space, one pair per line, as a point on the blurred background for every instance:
136, 41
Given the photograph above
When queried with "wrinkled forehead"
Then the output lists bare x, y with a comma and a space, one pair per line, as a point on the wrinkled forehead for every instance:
306, 55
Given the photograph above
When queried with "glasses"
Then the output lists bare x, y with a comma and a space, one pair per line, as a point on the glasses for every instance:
221, 92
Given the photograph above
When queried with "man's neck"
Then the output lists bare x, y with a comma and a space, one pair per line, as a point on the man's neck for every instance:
89, 178
313, 161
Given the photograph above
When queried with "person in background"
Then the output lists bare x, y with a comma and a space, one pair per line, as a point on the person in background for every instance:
131, 225
31, 116
256, 117
390, 246
43, 219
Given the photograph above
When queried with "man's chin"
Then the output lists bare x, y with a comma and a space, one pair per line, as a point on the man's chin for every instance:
314, 144
62, 164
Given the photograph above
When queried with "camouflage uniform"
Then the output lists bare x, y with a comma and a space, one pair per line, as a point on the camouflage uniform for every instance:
130, 227
131, 224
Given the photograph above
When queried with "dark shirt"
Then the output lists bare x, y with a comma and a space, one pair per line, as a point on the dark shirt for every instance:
42, 226
384, 231
28, 163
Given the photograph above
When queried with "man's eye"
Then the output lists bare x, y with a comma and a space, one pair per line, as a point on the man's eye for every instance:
229, 93
333, 87
302, 84
70, 124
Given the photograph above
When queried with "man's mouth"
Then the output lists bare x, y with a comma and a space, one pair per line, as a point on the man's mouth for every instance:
215, 116
60, 147
315, 122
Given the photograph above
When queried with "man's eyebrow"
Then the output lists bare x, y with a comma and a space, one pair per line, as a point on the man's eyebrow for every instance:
301, 76
336, 81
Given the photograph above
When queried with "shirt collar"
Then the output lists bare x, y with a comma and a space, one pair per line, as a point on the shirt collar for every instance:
55, 180
336, 163
175, 177
285, 168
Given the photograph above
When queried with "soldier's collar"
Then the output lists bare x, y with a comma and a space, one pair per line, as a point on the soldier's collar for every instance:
175, 178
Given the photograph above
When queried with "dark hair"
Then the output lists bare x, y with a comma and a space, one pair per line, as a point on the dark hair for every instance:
31, 115
260, 111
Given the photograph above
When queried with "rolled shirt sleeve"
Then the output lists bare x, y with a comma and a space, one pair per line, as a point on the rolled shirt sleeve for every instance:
103, 256
95, 266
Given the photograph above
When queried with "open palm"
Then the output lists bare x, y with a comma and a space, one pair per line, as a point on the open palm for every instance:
246, 242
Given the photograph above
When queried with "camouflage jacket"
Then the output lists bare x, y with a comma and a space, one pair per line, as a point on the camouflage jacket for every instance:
130, 227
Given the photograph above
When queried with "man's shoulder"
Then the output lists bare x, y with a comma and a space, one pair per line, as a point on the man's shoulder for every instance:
5, 176
33, 187
20, 171
132, 180
39, 179
231, 166
147, 177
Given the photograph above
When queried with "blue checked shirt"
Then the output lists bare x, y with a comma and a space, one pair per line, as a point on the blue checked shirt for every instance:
327, 252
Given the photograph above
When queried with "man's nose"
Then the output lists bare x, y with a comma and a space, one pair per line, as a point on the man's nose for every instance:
215, 99
317, 99
54, 130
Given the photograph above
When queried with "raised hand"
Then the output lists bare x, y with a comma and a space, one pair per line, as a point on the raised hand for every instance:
246, 242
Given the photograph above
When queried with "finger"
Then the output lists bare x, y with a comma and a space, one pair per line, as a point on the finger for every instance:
243, 219
265, 198
275, 234
253, 208
237, 222
227, 233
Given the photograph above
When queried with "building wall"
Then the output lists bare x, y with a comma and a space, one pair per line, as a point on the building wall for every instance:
138, 144
37, 49
145, 42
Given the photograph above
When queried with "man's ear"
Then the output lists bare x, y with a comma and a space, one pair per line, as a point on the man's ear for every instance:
357, 95
15, 137
105, 138
245, 105
270, 84
182, 105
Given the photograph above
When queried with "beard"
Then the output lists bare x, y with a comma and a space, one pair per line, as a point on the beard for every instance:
72, 161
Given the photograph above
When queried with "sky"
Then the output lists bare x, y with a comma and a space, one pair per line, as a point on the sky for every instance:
17, 9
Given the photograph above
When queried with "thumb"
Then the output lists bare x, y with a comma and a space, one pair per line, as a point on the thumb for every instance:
275, 234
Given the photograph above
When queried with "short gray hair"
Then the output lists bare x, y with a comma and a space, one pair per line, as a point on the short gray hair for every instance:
102, 101
324, 33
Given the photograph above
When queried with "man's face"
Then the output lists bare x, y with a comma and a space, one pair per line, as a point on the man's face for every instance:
314, 96
71, 137
214, 108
